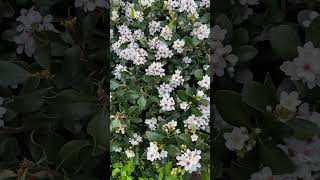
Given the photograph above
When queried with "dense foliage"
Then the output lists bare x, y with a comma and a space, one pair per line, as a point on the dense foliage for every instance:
160, 89
52, 89
266, 104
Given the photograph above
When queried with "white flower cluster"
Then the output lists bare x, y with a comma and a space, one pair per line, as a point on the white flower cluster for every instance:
135, 140
305, 155
155, 69
31, 21
305, 67
118, 70
194, 122
221, 56
190, 160
201, 31
188, 6
90, 5
151, 123
170, 127
2, 112
154, 154
264, 174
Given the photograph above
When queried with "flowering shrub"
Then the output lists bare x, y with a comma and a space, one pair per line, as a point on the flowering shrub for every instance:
160, 105
52, 81
265, 57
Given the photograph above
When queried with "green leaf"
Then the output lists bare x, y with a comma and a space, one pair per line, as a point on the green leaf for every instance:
6, 10
183, 139
229, 105
196, 111
198, 73
173, 150
114, 85
246, 53
303, 129
142, 102
182, 95
276, 159
154, 136
42, 54
12, 74
240, 37
30, 102
195, 41
284, 41
258, 95
98, 128
71, 150
70, 66
313, 31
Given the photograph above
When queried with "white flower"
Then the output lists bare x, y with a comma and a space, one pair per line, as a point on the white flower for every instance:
138, 34
153, 152
222, 58
28, 19
163, 51
194, 123
31, 21
118, 149
164, 89
306, 66
201, 31
90, 5
155, 69
304, 154
190, 160
236, 139
154, 26
25, 43
146, 3
176, 79
264, 174
194, 137
218, 34
46, 24
205, 3
151, 123
205, 82
130, 153
170, 126
187, 60
163, 154
167, 103
305, 113
200, 94
189, 6
184, 106
305, 17
289, 101
114, 15
121, 129
166, 33
118, 70
178, 45
135, 140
